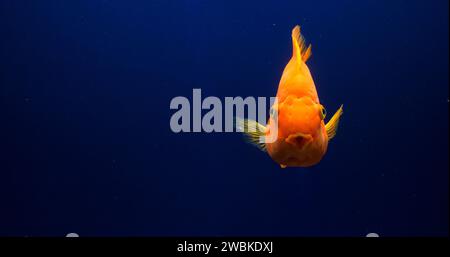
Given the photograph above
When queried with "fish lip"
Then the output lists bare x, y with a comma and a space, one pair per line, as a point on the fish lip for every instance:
299, 140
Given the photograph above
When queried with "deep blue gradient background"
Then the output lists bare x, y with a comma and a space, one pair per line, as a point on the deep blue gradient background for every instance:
86, 145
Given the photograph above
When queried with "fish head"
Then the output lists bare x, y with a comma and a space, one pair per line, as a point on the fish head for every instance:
301, 136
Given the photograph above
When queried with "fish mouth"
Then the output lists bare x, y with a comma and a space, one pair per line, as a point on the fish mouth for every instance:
299, 140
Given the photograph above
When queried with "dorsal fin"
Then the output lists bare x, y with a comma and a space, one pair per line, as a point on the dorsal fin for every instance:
299, 50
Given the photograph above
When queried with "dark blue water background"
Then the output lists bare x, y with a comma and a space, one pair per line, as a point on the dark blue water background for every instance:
86, 146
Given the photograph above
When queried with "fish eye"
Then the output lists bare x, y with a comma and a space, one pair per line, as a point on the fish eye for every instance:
272, 111
323, 112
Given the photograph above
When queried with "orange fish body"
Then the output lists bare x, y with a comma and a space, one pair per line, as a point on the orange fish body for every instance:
302, 135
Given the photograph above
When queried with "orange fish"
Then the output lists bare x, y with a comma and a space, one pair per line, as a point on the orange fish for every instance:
302, 135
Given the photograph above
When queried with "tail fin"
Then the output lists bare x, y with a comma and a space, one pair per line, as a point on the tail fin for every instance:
300, 51
254, 132
333, 123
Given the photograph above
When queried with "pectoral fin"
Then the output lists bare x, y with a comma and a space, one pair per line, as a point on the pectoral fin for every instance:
333, 123
253, 131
